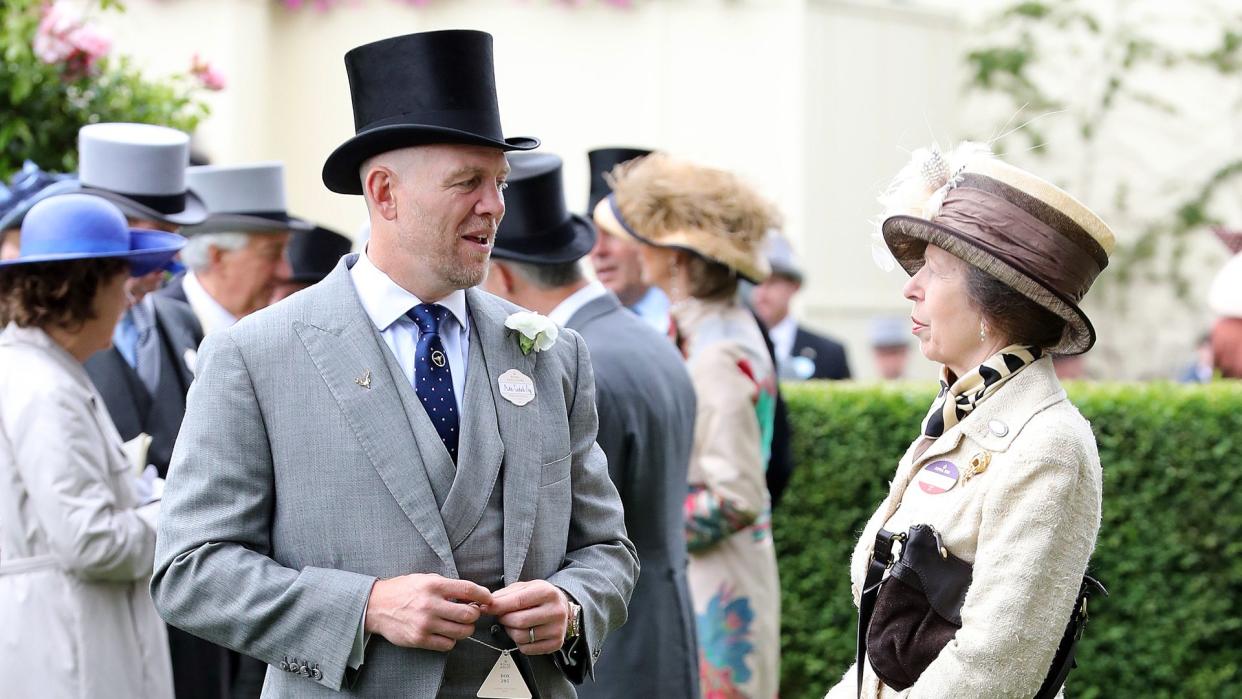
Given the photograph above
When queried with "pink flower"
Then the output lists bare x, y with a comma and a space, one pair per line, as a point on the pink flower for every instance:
64, 37
208, 75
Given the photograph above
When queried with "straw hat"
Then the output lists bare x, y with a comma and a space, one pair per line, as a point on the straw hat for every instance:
672, 203
1026, 232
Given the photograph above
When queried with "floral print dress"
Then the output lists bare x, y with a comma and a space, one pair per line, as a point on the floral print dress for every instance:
732, 570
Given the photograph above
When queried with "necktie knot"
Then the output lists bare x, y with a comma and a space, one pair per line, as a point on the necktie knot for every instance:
428, 317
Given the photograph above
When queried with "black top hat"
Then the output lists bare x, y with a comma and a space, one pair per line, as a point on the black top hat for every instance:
314, 253
537, 226
603, 160
418, 89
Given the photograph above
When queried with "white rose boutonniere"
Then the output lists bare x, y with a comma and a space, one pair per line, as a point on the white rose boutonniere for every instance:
536, 333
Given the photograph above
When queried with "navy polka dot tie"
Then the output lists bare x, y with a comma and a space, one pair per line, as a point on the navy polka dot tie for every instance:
433, 380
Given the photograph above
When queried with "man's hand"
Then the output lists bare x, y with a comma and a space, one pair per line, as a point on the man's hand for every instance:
533, 605
425, 611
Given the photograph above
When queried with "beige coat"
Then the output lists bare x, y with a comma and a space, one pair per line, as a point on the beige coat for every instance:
1028, 523
75, 555
732, 572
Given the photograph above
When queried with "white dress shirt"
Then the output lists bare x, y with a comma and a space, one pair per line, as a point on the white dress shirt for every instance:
783, 335
211, 315
386, 304
574, 303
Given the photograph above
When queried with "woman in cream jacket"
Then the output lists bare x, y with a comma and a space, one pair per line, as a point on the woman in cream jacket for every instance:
76, 549
1005, 467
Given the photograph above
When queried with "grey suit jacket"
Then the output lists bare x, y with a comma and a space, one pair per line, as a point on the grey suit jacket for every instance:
131, 405
646, 427
296, 482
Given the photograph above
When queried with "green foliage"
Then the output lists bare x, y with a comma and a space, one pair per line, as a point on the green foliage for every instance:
1169, 551
1014, 58
44, 104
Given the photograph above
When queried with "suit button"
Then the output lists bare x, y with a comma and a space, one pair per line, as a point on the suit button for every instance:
316, 674
284, 666
305, 670
595, 653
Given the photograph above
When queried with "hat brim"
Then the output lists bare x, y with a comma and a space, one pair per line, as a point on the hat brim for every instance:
701, 243
340, 171
584, 235
149, 251
195, 211
249, 223
908, 236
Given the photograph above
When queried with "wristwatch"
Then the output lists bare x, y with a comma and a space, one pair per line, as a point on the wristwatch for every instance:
575, 619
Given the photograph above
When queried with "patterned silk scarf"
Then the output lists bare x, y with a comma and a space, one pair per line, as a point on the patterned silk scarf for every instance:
955, 402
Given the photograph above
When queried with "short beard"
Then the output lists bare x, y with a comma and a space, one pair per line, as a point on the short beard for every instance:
462, 278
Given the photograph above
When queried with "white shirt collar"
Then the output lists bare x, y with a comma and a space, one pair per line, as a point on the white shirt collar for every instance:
386, 302
574, 303
211, 315
783, 335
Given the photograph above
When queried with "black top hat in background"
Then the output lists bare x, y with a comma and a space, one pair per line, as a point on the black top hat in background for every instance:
537, 226
418, 89
314, 253
603, 160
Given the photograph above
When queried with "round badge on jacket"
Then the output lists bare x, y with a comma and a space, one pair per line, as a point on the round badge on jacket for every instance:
938, 477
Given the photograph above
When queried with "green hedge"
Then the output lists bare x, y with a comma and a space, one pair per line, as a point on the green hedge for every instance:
1170, 548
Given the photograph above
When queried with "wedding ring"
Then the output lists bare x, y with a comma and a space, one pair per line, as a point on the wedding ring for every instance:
532, 634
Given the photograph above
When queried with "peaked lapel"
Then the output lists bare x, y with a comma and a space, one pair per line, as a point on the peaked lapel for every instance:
347, 350
516, 425
480, 451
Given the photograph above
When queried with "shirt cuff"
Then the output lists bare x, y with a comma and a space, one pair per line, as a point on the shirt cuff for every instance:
357, 654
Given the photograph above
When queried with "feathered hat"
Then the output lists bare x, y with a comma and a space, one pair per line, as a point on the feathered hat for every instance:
1020, 229
672, 203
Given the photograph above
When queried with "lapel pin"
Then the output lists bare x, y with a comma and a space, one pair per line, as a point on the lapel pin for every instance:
364, 380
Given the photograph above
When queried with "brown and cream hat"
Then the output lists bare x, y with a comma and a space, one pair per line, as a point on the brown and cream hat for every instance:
672, 203
1026, 232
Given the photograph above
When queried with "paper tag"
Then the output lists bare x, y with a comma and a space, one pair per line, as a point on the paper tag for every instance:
516, 387
938, 477
504, 681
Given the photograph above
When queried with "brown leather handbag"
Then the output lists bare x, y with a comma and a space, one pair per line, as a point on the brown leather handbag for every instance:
906, 619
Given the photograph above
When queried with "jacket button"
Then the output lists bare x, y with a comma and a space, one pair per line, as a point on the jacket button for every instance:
305, 670
284, 666
316, 674
595, 653
998, 428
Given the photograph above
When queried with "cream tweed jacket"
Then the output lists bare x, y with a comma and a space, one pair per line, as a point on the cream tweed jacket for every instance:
1027, 521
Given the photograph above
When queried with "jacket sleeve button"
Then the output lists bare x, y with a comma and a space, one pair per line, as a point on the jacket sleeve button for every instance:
316, 674
305, 670
284, 666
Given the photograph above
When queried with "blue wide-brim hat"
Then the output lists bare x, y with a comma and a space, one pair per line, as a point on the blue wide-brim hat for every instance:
84, 227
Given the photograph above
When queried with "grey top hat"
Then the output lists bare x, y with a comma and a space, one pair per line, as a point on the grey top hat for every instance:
141, 168
249, 198
781, 257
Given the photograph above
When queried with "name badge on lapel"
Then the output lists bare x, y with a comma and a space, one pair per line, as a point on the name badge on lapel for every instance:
516, 387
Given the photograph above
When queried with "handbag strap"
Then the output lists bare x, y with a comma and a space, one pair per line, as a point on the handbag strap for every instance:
1063, 661
881, 560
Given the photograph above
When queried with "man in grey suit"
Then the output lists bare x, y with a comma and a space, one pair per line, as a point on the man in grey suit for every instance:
379, 488
646, 424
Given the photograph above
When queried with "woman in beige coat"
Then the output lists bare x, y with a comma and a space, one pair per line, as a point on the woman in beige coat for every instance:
1005, 467
76, 550
701, 230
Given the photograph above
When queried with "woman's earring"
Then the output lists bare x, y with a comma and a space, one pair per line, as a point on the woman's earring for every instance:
983, 335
